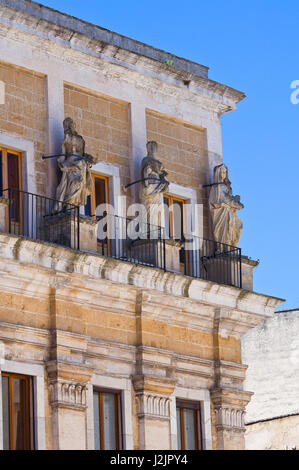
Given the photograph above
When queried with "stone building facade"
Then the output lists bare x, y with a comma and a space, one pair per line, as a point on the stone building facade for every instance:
271, 351
101, 351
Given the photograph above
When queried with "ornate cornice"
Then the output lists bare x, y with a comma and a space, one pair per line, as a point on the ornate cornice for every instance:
152, 396
103, 45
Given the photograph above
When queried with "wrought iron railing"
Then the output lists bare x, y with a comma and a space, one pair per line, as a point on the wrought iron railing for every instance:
211, 260
45, 219
129, 240
42, 218
146, 244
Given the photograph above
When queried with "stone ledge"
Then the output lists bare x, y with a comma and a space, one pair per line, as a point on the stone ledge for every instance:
94, 266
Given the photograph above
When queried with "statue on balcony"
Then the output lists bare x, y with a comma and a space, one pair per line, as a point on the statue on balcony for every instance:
75, 164
153, 184
227, 227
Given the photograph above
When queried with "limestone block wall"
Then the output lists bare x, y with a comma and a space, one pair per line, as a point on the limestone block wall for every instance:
24, 113
271, 352
104, 123
88, 321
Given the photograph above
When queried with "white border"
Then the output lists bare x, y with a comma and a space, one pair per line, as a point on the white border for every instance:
37, 372
202, 396
26, 147
125, 387
115, 197
193, 224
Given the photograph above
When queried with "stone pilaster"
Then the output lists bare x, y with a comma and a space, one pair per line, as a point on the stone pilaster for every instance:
4, 206
68, 386
229, 407
152, 397
248, 266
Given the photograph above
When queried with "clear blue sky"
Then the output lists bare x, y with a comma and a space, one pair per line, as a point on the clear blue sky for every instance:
252, 46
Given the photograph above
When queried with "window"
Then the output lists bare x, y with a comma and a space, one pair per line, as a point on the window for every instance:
11, 178
17, 403
174, 225
106, 406
99, 195
189, 426
11, 169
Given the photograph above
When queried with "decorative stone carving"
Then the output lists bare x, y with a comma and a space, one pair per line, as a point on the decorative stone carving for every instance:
229, 407
68, 394
76, 182
153, 185
157, 406
227, 227
230, 417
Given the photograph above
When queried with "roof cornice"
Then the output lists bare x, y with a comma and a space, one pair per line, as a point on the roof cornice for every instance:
77, 34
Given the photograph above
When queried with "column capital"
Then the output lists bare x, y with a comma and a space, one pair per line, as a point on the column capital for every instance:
230, 407
68, 384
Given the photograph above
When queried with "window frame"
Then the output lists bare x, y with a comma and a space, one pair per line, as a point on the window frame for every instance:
171, 200
95, 175
197, 416
117, 413
29, 438
4, 169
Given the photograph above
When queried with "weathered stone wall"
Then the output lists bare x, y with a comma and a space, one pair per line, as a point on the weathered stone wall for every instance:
81, 316
278, 434
24, 113
104, 123
271, 352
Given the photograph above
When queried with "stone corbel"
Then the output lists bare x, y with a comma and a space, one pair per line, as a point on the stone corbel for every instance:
152, 396
68, 384
68, 394
229, 406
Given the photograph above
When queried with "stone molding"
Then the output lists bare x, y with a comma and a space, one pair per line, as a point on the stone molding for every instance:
230, 418
68, 384
149, 405
152, 396
242, 309
229, 408
68, 394
154, 385
223, 98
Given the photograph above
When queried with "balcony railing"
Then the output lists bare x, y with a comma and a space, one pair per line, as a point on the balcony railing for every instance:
42, 218
45, 219
212, 261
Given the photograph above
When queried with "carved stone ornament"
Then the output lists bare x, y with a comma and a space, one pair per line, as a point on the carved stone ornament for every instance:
75, 164
153, 185
152, 405
227, 227
230, 418
68, 394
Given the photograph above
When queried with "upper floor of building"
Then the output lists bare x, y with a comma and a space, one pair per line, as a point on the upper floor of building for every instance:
120, 94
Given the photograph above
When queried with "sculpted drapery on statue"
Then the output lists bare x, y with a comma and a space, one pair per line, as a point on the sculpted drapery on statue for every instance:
227, 227
75, 164
154, 183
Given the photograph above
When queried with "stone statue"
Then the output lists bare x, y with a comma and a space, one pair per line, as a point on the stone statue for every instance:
153, 184
227, 227
76, 182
